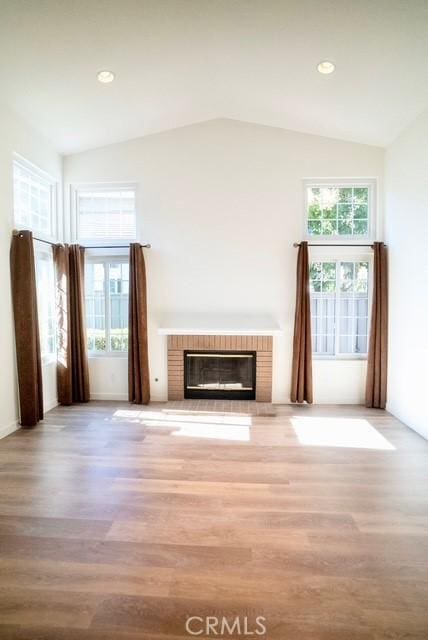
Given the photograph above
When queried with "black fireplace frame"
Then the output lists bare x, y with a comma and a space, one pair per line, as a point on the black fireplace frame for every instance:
221, 394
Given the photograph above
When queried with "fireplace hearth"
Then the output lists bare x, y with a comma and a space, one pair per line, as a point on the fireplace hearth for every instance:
220, 375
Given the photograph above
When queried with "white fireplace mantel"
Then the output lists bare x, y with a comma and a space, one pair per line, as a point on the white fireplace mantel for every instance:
224, 324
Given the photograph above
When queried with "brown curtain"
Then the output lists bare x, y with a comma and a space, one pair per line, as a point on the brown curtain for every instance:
72, 367
138, 360
301, 375
27, 340
377, 363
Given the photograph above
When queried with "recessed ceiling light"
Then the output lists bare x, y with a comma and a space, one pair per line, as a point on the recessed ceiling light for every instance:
326, 67
105, 76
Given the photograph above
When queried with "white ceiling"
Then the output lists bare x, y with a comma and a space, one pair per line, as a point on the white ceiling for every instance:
184, 61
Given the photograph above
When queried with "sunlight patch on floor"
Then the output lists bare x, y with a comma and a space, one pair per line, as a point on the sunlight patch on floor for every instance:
194, 425
239, 433
197, 417
356, 433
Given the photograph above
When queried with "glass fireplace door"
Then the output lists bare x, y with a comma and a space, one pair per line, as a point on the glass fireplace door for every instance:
220, 375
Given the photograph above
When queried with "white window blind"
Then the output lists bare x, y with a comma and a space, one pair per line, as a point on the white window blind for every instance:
34, 200
107, 214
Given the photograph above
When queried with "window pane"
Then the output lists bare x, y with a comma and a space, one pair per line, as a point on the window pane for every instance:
338, 211
330, 213
349, 318
345, 194
345, 227
345, 344
330, 344
360, 227
344, 212
329, 271
346, 307
104, 215
329, 197
329, 286
360, 211
361, 194
314, 227
353, 322
314, 211
361, 307
361, 326
362, 270
328, 227
119, 290
361, 344
361, 277
315, 276
346, 276
323, 287
95, 306
346, 325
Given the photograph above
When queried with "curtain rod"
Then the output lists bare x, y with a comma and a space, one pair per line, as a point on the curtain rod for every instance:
107, 246
297, 244
104, 246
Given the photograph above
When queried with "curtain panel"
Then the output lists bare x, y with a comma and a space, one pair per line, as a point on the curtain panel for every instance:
377, 363
138, 360
27, 339
301, 375
72, 364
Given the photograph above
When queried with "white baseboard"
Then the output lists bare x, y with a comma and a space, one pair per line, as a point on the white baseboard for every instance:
50, 405
7, 429
158, 397
423, 432
122, 397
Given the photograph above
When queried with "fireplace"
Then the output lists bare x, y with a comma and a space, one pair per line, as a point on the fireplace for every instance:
220, 374
258, 347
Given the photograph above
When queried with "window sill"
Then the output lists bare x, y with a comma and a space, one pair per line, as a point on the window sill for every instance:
341, 358
339, 242
335, 237
102, 356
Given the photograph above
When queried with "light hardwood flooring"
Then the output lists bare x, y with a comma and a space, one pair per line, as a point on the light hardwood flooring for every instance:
118, 522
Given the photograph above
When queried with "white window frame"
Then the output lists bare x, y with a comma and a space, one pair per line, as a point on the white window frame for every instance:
106, 260
81, 187
39, 174
344, 254
370, 183
41, 252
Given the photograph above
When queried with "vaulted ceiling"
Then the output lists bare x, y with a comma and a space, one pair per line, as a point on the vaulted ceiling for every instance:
183, 61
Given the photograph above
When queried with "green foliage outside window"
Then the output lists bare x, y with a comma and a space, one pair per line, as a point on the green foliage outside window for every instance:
340, 211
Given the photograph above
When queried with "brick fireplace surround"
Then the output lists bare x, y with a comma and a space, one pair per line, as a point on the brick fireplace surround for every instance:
177, 344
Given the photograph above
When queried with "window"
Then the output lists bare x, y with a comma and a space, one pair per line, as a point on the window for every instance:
339, 307
105, 213
107, 290
34, 199
339, 210
45, 282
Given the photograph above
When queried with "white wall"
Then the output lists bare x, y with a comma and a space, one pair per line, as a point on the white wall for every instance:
17, 136
222, 203
406, 228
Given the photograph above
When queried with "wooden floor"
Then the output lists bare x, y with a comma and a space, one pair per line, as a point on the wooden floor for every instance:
118, 523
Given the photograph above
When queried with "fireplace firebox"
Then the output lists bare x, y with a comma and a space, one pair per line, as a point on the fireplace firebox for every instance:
220, 374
